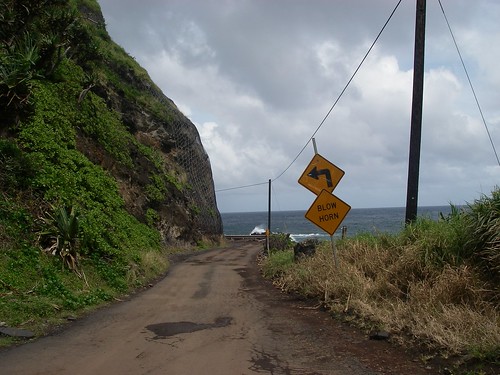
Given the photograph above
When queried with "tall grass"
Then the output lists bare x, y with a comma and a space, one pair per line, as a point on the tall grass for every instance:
435, 283
483, 223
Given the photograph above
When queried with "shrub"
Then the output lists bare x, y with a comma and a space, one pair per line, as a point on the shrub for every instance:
280, 242
16, 168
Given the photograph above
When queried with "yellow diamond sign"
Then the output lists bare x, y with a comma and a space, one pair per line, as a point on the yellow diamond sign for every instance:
321, 174
327, 212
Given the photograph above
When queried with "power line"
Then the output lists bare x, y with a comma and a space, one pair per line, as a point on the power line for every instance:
349, 82
329, 111
341, 93
242, 187
470, 83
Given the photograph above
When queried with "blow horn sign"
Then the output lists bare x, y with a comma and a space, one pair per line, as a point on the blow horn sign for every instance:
328, 212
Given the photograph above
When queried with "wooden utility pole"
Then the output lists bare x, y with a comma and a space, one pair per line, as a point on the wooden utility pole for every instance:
416, 113
268, 231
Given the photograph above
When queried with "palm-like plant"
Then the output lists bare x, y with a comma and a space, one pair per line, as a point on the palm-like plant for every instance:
60, 235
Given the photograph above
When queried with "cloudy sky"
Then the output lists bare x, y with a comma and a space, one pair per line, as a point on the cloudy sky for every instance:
257, 77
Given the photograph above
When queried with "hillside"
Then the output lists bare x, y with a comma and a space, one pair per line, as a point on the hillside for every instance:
99, 170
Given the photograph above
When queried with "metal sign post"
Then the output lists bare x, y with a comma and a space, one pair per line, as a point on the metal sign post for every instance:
334, 252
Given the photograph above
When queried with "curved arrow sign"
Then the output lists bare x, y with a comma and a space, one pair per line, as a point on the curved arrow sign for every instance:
320, 175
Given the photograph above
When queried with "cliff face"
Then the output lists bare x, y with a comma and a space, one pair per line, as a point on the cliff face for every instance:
85, 126
188, 210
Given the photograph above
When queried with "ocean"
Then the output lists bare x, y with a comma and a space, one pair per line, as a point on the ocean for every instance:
358, 220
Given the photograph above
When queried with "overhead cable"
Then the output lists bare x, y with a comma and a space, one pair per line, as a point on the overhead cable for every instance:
329, 111
470, 83
341, 93
242, 187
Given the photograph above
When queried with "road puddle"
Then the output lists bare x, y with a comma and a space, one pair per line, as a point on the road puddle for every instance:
164, 330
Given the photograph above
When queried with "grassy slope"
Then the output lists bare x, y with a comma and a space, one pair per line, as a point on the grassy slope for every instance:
435, 284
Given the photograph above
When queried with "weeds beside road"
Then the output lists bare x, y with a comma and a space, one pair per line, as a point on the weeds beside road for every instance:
435, 284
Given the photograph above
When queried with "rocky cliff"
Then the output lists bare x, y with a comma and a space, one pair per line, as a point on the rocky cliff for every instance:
83, 125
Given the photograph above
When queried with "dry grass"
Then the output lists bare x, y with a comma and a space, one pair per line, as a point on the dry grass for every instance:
393, 288
151, 264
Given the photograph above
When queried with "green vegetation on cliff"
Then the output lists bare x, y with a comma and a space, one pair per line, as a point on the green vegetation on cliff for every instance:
88, 200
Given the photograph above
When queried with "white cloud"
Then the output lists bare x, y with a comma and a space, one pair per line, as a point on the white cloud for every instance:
257, 81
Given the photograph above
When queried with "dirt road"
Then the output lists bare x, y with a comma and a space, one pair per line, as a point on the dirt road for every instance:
212, 314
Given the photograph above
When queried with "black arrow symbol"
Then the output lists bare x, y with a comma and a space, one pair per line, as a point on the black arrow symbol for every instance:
315, 174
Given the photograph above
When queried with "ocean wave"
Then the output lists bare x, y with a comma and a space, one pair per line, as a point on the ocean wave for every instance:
296, 237
299, 237
259, 229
